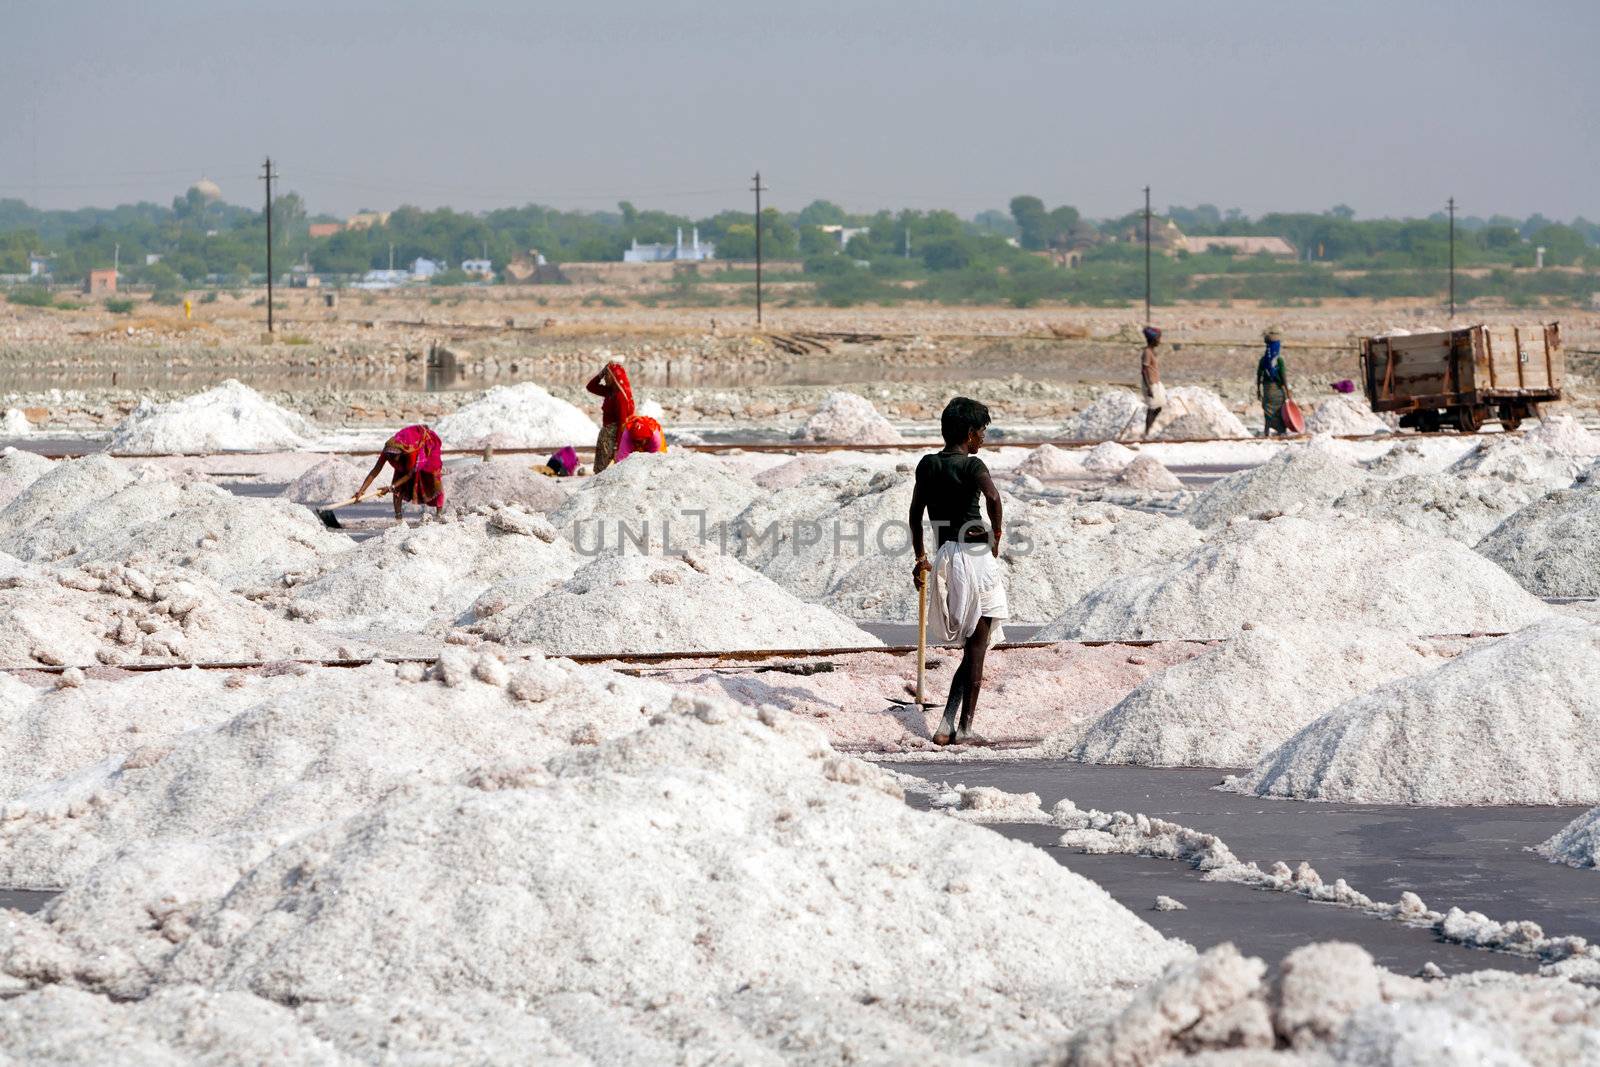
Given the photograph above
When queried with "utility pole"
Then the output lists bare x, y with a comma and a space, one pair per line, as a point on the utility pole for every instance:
1147, 255
757, 188
268, 175
1452, 205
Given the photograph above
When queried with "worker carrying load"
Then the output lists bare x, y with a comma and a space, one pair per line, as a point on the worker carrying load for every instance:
1272, 384
616, 408
417, 456
964, 587
640, 433
1150, 387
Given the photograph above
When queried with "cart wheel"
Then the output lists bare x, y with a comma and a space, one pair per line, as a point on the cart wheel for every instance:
1428, 422
1469, 418
1510, 418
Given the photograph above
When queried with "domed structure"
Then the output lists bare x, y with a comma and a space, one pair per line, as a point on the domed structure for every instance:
207, 188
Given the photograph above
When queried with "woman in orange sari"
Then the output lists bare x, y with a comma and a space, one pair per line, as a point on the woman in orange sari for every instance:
417, 456
611, 384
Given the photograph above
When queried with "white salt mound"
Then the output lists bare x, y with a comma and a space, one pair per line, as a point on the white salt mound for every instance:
93, 510
316, 752
1578, 843
115, 614
701, 600
1147, 474
1048, 461
1462, 507
1345, 415
421, 579
790, 473
1108, 456
654, 499
846, 418
505, 481
1517, 459
1421, 456
600, 892
1231, 705
231, 417
1111, 415
1563, 434
1357, 570
326, 482
1552, 546
516, 416
14, 424
1466, 733
18, 470
1192, 411
1297, 479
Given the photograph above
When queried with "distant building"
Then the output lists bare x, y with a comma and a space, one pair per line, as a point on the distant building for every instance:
101, 282
301, 276
422, 268
1276, 247
325, 229
152, 258
39, 267
844, 233
365, 220
477, 268
382, 279
524, 268
694, 252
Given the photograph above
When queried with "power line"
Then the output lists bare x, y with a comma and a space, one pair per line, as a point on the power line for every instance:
268, 176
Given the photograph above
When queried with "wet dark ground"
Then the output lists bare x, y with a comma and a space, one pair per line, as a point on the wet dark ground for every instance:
1476, 859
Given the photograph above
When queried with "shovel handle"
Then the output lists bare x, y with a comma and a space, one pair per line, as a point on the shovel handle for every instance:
922, 634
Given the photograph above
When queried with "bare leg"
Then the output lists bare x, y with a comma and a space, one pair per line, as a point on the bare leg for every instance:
952, 705
972, 664
1150, 416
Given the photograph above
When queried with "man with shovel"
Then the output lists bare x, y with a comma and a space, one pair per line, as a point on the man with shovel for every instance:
962, 582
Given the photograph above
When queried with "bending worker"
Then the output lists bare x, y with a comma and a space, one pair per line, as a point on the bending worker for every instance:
616, 408
1272, 384
416, 454
966, 593
1155, 394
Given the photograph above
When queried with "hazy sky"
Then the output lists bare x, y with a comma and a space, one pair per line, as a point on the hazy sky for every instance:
1387, 105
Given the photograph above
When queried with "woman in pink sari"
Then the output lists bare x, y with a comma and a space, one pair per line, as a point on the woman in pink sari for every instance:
417, 455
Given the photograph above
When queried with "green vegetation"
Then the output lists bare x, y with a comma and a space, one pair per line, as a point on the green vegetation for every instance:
119, 305
1019, 256
31, 296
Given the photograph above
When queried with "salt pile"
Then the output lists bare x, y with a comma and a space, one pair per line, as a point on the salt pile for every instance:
719, 881
846, 418
231, 417
417, 579
1048, 461
49, 733
1578, 843
326, 482
316, 752
1113, 414
1298, 479
1332, 1005
1461, 507
1466, 733
1425, 456
1108, 456
1563, 434
94, 510
670, 499
516, 416
1356, 571
1054, 555
1521, 461
701, 600
1345, 415
18, 470
1193, 412
790, 473
114, 614
469, 486
1147, 474
1552, 546
14, 424
1236, 702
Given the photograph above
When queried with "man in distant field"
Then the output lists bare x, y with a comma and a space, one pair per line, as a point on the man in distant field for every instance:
966, 593
1150, 387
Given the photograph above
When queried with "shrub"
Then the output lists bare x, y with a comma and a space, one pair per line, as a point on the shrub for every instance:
33, 296
118, 305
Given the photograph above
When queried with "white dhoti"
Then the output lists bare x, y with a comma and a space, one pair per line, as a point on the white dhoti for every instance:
965, 585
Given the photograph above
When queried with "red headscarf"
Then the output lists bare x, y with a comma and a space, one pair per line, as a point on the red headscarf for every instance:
619, 375
640, 433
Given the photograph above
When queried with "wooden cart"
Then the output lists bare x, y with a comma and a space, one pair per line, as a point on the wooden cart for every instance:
1464, 378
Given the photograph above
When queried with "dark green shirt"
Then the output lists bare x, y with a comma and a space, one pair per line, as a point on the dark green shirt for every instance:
950, 489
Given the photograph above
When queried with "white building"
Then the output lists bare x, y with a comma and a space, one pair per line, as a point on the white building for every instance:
694, 252
422, 268
478, 268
